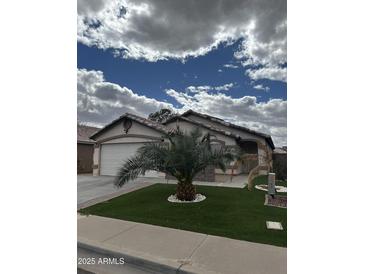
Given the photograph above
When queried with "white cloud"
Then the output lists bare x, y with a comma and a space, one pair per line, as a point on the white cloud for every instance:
224, 87
268, 117
158, 30
260, 51
197, 89
92, 7
219, 70
261, 87
99, 102
266, 51
271, 73
230, 66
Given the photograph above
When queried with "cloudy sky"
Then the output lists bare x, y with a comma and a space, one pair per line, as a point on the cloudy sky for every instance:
223, 58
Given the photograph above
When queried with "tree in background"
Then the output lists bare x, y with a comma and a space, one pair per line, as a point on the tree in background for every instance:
161, 115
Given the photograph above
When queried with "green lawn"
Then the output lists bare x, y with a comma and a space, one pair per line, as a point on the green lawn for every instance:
228, 212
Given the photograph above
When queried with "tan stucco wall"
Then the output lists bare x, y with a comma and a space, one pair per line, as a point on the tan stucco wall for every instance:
229, 171
85, 158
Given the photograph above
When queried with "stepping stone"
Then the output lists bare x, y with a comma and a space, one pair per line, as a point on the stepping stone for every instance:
274, 225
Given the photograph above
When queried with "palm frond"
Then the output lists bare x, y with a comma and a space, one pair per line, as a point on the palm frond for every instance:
133, 167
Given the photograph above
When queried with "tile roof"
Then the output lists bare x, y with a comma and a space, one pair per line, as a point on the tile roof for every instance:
84, 132
213, 128
223, 122
228, 124
165, 130
152, 124
280, 151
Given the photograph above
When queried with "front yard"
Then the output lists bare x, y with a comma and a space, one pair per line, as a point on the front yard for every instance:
228, 212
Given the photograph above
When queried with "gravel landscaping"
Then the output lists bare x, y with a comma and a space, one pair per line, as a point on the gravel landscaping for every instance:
198, 198
277, 188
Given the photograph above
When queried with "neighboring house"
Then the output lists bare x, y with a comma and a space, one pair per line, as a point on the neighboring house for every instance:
85, 148
280, 162
120, 140
280, 150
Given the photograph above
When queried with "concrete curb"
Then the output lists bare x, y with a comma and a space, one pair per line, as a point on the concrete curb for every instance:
137, 261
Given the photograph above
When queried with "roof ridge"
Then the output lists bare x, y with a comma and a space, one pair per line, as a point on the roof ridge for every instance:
145, 119
147, 122
210, 117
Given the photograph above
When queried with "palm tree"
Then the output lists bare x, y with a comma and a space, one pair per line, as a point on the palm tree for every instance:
183, 158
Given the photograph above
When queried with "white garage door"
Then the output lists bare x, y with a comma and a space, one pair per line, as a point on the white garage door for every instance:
114, 155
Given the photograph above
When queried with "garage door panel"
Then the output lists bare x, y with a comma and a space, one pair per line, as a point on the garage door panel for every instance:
113, 156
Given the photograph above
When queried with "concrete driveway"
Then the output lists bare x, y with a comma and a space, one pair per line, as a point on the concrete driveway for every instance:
96, 189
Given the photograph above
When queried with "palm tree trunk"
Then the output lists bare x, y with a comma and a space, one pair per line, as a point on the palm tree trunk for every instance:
185, 191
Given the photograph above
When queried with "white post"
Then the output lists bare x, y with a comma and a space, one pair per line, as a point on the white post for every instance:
271, 184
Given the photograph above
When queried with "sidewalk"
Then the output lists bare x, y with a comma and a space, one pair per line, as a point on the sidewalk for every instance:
171, 250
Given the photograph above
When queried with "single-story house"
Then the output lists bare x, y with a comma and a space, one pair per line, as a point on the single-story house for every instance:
121, 138
85, 148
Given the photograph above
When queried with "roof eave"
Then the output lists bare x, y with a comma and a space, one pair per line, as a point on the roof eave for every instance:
86, 142
107, 126
126, 115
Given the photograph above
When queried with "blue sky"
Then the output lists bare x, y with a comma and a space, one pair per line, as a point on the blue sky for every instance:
229, 62
165, 74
